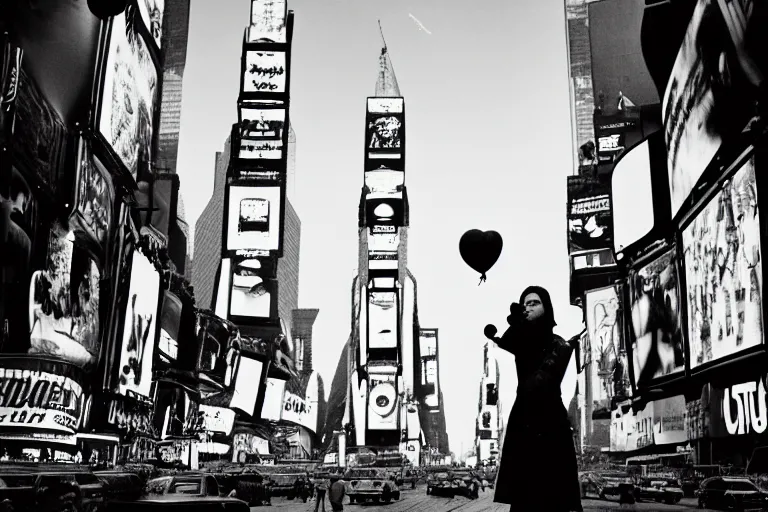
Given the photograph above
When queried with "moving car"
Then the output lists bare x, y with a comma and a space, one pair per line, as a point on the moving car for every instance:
37, 487
195, 484
732, 493
374, 484
462, 480
440, 483
602, 484
666, 490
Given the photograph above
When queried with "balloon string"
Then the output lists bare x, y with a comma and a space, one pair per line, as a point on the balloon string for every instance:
482, 279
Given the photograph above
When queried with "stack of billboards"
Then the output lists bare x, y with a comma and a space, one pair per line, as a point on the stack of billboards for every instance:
254, 211
687, 224
87, 306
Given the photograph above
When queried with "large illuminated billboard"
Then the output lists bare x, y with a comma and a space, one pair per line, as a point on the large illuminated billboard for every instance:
655, 322
383, 319
707, 99
589, 214
260, 132
254, 218
272, 407
129, 95
722, 258
253, 295
140, 328
382, 402
247, 385
268, 21
384, 180
264, 72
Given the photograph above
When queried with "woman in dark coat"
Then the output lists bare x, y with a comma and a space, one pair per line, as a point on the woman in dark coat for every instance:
538, 468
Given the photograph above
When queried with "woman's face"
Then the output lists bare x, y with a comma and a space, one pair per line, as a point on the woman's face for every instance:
533, 307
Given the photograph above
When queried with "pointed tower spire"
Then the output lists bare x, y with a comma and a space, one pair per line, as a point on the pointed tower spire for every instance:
386, 85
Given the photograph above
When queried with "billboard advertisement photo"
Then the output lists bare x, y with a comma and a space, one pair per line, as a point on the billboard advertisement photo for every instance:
655, 319
386, 105
253, 218
252, 295
722, 257
382, 320
268, 21
589, 214
707, 99
140, 328
264, 72
261, 133
129, 95
152, 15
382, 402
605, 341
384, 131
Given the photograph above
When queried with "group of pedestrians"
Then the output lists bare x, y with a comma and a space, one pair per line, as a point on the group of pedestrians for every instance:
335, 488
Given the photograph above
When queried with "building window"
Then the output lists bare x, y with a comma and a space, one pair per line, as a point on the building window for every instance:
299, 353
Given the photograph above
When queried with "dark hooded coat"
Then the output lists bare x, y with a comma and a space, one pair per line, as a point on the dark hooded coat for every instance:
538, 469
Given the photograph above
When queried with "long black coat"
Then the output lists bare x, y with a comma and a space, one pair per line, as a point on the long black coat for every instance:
538, 461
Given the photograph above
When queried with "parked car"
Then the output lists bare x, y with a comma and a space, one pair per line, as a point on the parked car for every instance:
120, 485
440, 484
44, 486
195, 484
363, 484
248, 486
666, 490
179, 503
602, 484
732, 493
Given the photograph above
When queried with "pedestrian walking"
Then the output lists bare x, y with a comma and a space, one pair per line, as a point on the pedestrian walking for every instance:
336, 494
538, 468
320, 488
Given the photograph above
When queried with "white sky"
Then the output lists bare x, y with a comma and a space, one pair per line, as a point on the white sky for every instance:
488, 147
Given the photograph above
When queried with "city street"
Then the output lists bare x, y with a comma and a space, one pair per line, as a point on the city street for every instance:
417, 500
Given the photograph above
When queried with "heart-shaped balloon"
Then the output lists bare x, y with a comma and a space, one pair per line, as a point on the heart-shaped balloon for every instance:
480, 249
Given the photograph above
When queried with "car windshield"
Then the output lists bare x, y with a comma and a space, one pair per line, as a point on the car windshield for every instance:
365, 473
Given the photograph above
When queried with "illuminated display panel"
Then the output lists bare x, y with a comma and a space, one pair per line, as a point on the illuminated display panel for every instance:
254, 218
633, 210
382, 320
723, 272
152, 14
655, 320
129, 96
247, 384
273, 400
384, 180
386, 105
382, 402
604, 346
264, 72
260, 132
253, 295
268, 21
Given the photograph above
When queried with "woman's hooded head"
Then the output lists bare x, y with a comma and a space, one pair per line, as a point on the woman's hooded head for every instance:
548, 318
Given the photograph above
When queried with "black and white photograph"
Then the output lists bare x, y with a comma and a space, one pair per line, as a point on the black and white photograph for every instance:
64, 304
724, 272
268, 21
252, 295
382, 402
383, 317
253, 220
384, 132
264, 72
129, 95
589, 214
706, 98
94, 197
152, 16
655, 319
261, 133
604, 331
140, 328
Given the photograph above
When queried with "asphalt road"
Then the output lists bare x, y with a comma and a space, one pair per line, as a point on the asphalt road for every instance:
417, 500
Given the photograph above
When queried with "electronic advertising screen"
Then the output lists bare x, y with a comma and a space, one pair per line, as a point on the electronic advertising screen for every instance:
268, 21
55, 82
431, 382
254, 218
264, 72
170, 322
382, 402
606, 346
272, 408
632, 194
427, 342
384, 131
383, 242
247, 385
386, 105
384, 180
382, 319
589, 214
252, 295
94, 200
385, 210
152, 14
129, 95
140, 328
218, 419
654, 316
64, 321
707, 98
722, 257
261, 133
